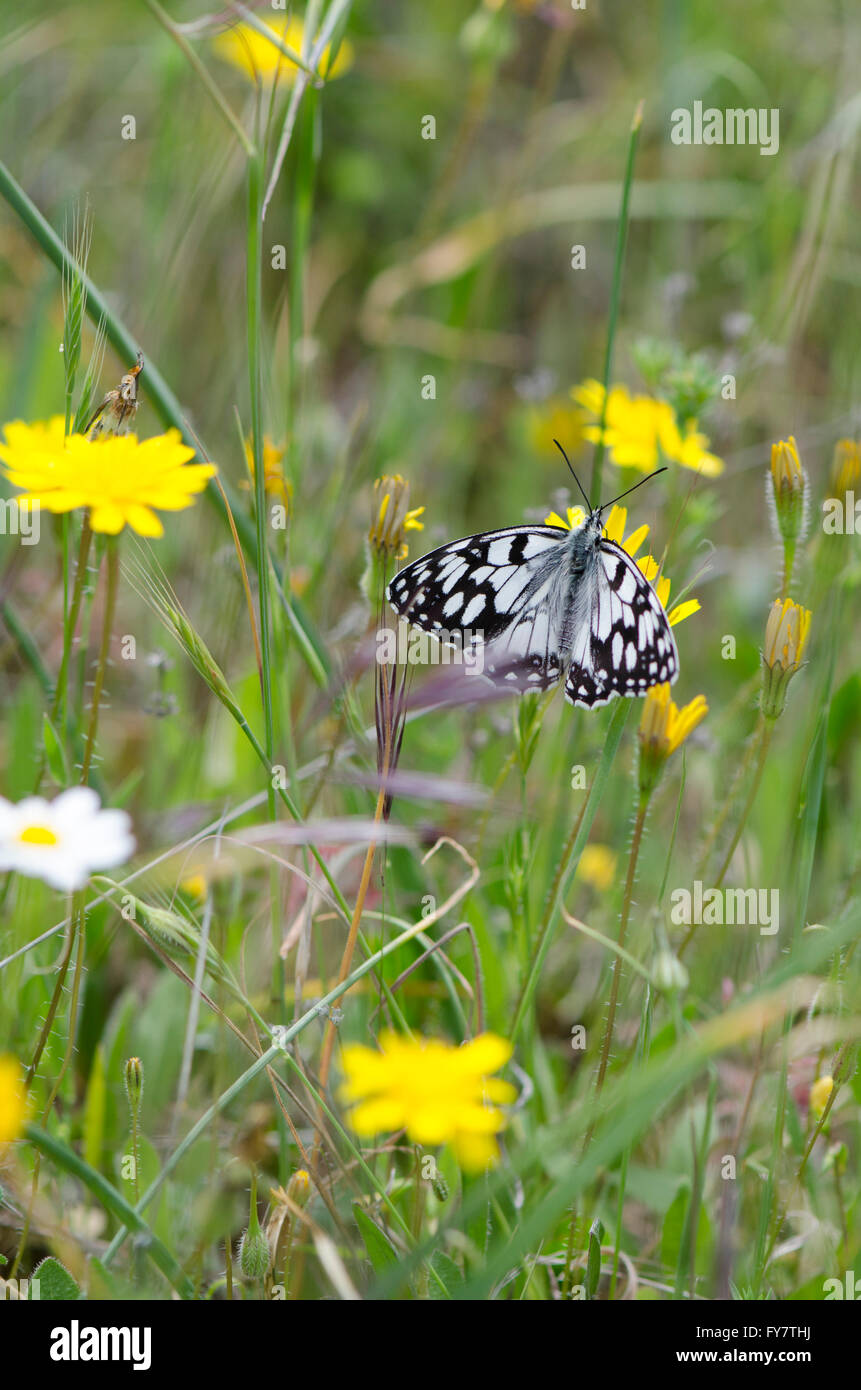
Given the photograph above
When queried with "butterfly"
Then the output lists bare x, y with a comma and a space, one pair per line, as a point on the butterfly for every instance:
545, 603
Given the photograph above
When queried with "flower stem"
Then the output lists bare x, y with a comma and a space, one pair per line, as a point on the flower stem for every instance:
617, 964
568, 862
59, 705
764, 741
788, 562
104, 652
765, 730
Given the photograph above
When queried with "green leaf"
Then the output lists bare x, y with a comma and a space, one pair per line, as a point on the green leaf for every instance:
55, 754
94, 1111
593, 1260
55, 1282
449, 1274
381, 1253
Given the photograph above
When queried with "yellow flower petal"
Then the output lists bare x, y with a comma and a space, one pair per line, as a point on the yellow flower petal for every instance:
682, 610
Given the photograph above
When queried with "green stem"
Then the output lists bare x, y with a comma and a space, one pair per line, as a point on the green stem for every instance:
104, 652
617, 964
568, 863
615, 295
59, 706
765, 732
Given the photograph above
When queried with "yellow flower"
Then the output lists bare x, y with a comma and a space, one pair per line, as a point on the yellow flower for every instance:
663, 729
274, 481
122, 480
650, 569
845, 467
642, 432
786, 633
195, 886
820, 1093
597, 867
13, 1102
256, 56
555, 419
437, 1092
299, 1186
390, 516
614, 530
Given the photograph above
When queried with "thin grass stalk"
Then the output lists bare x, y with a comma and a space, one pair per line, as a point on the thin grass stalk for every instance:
615, 297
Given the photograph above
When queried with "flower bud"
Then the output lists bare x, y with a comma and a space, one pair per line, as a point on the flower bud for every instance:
133, 1079
669, 974
786, 634
789, 489
254, 1254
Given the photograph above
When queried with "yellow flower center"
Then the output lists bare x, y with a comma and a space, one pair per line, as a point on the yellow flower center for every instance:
38, 835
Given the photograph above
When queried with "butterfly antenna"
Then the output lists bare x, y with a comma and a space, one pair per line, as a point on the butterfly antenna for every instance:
604, 505
573, 474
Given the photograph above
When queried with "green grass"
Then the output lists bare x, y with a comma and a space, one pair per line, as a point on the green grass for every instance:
241, 736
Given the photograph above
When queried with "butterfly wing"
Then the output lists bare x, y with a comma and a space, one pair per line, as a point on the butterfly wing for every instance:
497, 589
622, 642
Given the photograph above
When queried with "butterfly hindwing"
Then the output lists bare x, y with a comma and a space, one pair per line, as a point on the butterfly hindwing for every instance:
624, 644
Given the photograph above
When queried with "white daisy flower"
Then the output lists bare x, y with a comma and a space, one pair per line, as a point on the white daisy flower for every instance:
64, 840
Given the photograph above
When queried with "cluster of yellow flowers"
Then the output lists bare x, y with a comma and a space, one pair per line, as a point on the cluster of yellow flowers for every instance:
639, 431
643, 432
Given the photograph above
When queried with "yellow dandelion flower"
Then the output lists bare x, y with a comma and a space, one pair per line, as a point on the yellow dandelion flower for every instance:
13, 1101
274, 481
120, 479
614, 530
786, 633
555, 419
438, 1093
663, 729
195, 886
597, 867
820, 1093
391, 517
651, 569
642, 432
255, 55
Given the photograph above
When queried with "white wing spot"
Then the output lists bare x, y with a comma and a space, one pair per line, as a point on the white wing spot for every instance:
476, 605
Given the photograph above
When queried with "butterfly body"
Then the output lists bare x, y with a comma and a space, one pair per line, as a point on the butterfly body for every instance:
545, 602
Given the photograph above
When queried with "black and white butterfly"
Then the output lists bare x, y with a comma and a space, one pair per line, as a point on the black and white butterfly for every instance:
545, 603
